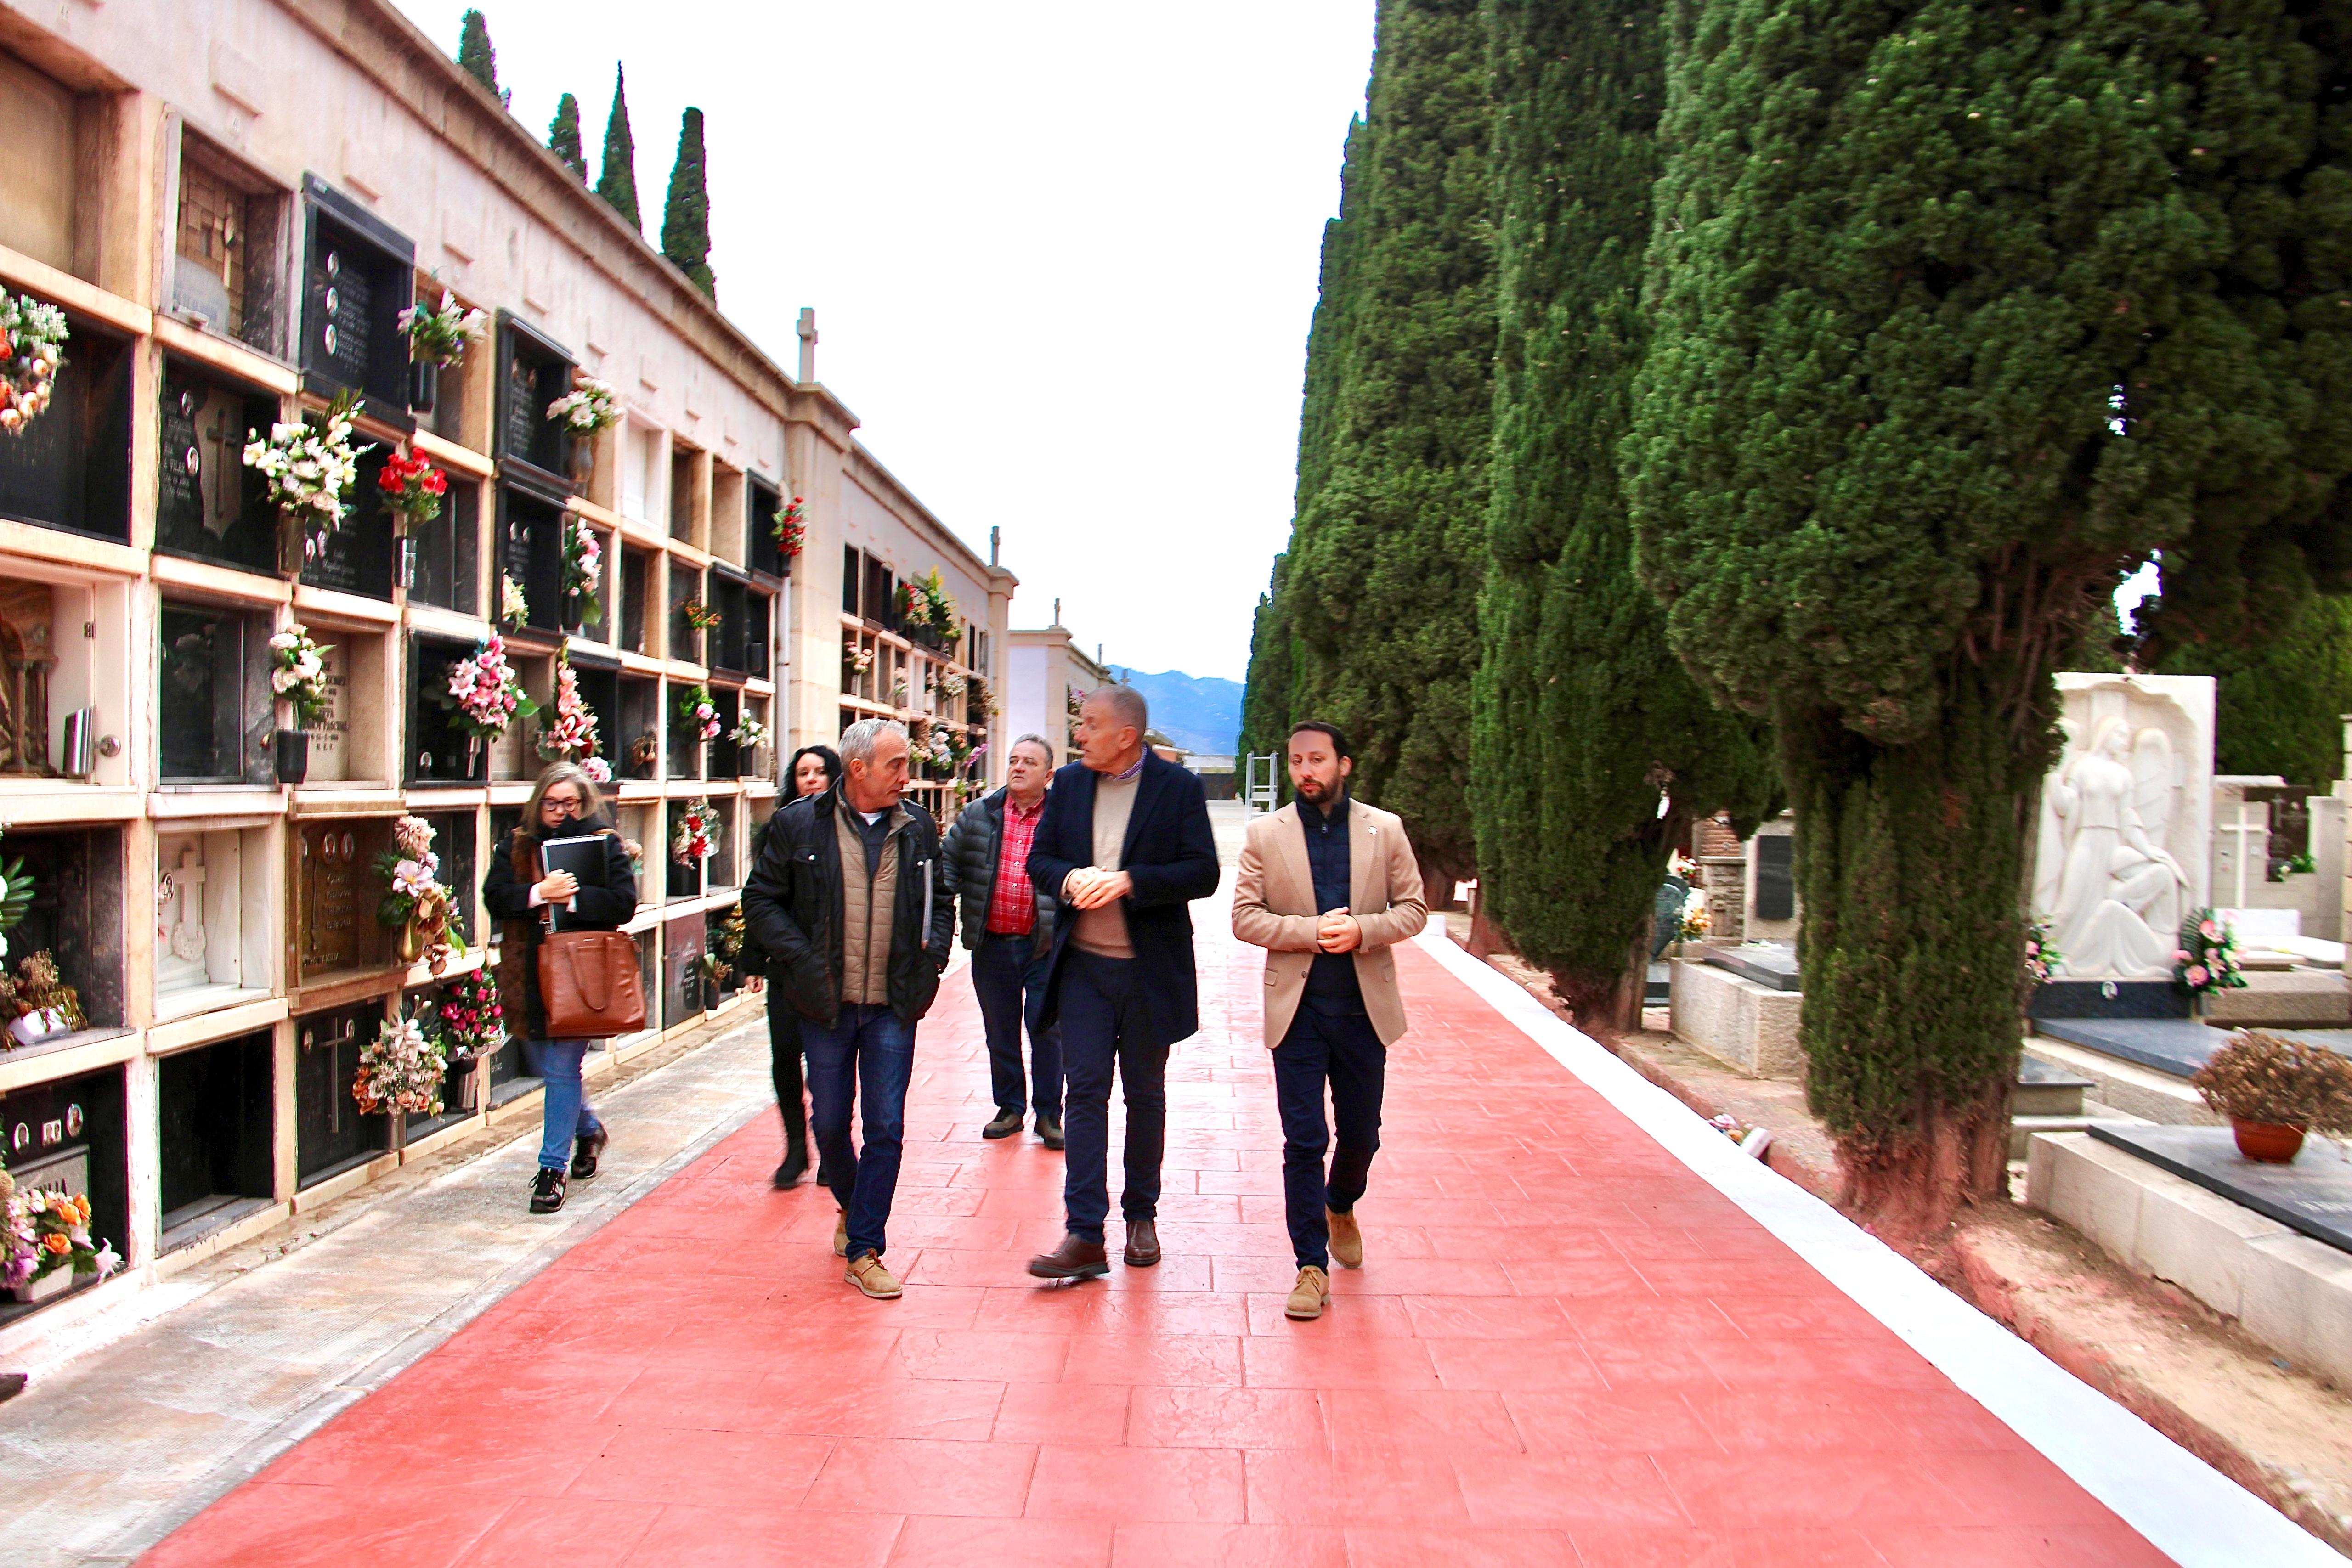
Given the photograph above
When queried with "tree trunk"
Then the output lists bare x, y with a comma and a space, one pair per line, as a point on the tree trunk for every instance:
1909, 859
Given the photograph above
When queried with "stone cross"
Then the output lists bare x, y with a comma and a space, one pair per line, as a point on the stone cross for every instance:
188, 919
807, 330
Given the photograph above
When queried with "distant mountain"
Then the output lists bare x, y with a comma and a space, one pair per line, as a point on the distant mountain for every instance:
1199, 713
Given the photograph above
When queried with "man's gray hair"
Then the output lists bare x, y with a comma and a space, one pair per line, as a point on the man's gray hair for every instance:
857, 740
1126, 702
1033, 739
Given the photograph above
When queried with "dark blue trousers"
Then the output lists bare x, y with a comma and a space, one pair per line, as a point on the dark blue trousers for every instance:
1103, 1027
1342, 1051
1008, 975
866, 1055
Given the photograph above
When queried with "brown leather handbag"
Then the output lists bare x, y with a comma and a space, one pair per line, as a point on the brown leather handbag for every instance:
588, 981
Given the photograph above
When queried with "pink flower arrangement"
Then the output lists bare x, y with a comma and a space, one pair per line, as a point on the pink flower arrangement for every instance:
485, 691
599, 771
698, 834
696, 707
41, 1232
573, 732
2207, 958
583, 560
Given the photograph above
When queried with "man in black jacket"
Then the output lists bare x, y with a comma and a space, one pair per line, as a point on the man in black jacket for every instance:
850, 906
1125, 845
1008, 923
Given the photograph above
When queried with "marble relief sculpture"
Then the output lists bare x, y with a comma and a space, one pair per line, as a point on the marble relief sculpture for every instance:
2121, 845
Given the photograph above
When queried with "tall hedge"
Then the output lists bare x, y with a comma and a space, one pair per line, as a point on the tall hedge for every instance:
2283, 697
563, 137
1585, 722
1960, 310
618, 183
685, 211
1380, 585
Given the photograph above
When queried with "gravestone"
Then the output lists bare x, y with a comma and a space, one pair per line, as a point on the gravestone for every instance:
1772, 965
2312, 1195
2122, 853
330, 730
335, 918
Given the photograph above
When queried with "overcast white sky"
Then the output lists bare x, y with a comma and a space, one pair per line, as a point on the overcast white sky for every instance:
1062, 256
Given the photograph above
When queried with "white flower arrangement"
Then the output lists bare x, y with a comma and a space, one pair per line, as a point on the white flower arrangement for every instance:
513, 607
859, 659
589, 407
751, 734
437, 334
298, 672
311, 467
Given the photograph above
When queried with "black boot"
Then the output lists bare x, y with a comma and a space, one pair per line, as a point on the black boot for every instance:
546, 1190
795, 1163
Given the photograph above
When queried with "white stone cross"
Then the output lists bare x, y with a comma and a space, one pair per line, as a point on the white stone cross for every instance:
188, 927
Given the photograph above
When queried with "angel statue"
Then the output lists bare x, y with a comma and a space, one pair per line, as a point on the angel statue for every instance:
2120, 894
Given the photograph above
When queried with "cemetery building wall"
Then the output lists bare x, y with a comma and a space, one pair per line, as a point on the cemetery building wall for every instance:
206, 191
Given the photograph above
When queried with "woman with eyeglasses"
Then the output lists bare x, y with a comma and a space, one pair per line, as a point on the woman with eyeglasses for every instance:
814, 769
519, 890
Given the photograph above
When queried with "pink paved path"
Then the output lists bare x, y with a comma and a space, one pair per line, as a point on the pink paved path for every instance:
1563, 1348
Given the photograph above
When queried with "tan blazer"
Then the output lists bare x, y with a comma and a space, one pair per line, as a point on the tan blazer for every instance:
1273, 908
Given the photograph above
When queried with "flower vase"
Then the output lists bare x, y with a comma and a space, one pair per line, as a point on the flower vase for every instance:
289, 547
423, 385
410, 941
56, 1282
293, 757
582, 459
475, 750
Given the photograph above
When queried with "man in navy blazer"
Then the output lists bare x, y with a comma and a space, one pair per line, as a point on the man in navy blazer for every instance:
1125, 844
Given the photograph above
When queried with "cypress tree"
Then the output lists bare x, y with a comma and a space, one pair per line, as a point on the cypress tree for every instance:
2281, 700
618, 183
1586, 726
1960, 311
1265, 693
476, 57
563, 137
1385, 557
686, 214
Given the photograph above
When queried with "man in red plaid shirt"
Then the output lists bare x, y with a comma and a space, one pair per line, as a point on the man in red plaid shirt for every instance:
1009, 930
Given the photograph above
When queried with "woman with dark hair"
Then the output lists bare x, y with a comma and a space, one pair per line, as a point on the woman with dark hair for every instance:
519, 890
813, 771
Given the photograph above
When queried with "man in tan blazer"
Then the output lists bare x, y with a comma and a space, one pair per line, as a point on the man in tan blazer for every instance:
1327, 886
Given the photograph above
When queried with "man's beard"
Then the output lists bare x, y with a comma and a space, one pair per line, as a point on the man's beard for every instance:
1313, 790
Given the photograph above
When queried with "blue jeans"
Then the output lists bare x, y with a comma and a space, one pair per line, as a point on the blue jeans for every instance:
565, 1114
1104, 1025
1008, 974
1346, 1052
867, 1049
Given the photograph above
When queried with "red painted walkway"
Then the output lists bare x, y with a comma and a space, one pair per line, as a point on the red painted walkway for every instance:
1562, 1348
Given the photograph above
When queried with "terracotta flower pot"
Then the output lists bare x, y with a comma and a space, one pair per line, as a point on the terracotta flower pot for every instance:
2272, 1143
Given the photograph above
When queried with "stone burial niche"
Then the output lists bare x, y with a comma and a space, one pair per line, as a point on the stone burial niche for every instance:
336, 890
76, 918
358, 275
208, 505
70, 467
214, 713
533, 372
212, 893
70, 1136
50, 679
330, 1135
215, 1124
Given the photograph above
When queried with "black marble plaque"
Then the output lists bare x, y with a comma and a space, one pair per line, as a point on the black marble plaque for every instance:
1772, 965
2312, 1195
1776, 877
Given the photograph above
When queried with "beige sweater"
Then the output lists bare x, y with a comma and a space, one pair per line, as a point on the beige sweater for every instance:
1103, 932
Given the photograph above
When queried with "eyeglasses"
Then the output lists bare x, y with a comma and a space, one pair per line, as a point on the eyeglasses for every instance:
559, 803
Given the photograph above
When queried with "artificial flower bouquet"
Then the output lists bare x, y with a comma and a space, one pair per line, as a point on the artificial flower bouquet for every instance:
2206, 959
484, 691
310, 465
583, 563
467, 1019
413, 487
31, 335
298, 672
413, 891
42, 1232
438, 334
590, 407
792, 529
699, 712
401, 1069
573, 732
697, 839
749, 734
700, 616
513, 607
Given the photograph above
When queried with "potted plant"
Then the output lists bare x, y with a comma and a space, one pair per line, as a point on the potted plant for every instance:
297, 674
437, 335
2275, 1090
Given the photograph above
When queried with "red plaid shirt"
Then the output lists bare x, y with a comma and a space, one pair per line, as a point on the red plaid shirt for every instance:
1012, 902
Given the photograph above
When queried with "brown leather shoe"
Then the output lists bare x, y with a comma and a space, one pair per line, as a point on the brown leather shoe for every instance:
865, 1272
1073, 1259
1347, 1239
1307, 1296
1142, 1244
